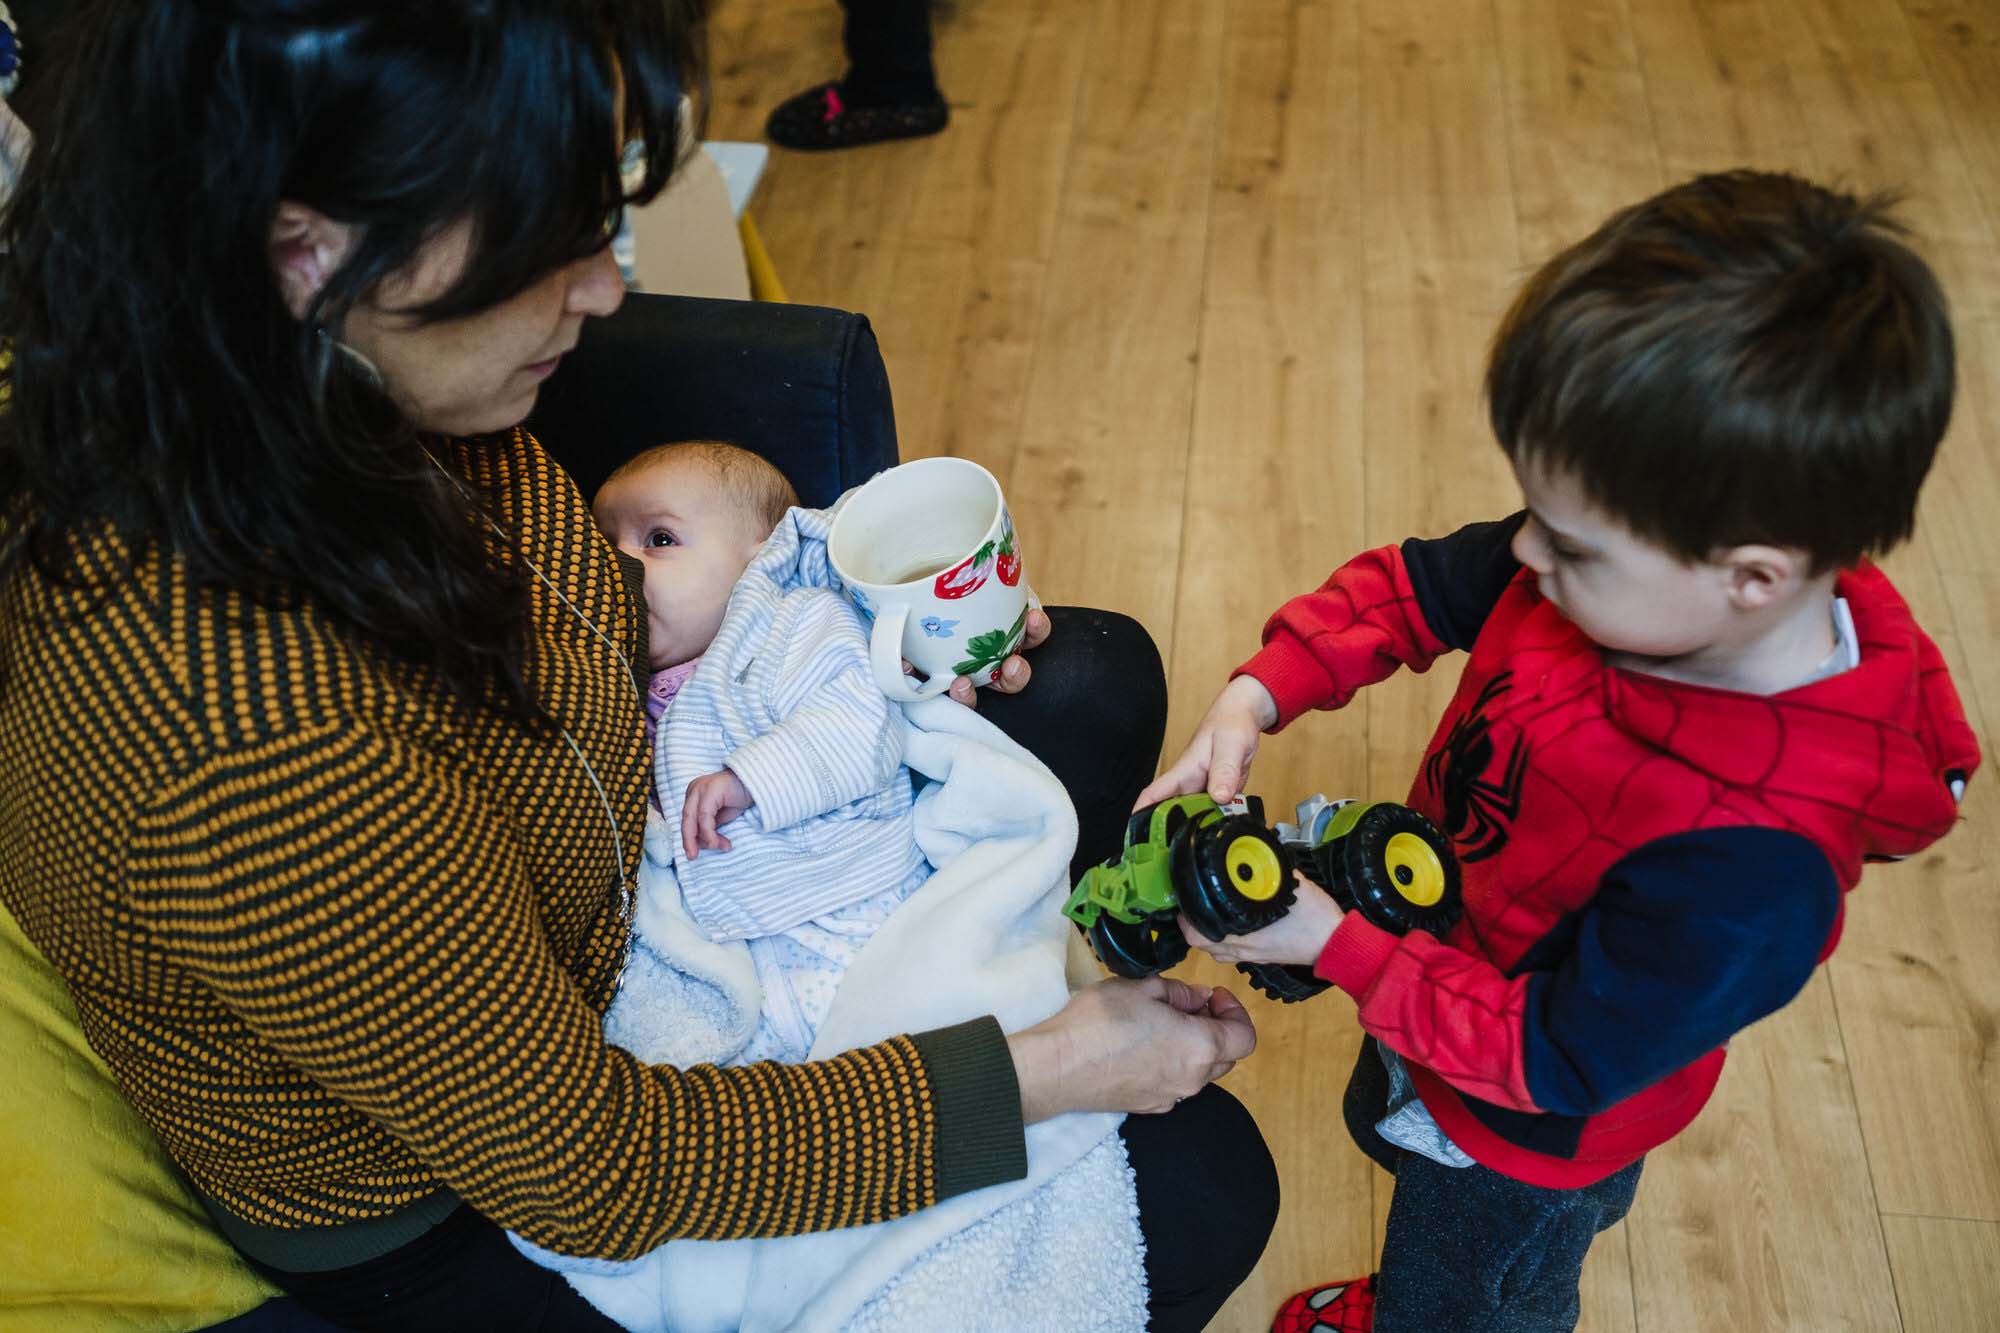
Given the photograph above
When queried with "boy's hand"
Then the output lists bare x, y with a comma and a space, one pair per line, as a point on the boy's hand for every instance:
1218, 758
712, 799
1299, 936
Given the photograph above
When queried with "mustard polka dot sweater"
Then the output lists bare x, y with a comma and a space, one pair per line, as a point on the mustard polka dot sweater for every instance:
347, 944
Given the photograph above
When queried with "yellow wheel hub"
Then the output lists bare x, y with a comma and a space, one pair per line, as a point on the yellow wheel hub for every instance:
1254, 870
1414, 869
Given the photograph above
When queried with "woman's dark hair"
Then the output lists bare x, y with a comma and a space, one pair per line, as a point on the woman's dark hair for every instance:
160, 384
1747, 357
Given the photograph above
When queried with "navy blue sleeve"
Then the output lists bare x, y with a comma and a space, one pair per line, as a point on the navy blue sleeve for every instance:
1459, 578
1690, 939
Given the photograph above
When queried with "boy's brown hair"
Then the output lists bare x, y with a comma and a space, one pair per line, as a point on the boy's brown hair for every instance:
760, 489
1747, 357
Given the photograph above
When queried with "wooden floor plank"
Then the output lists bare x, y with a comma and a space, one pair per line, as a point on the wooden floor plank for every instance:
1275, 499
1442, 259
1920, 1007
1580, 127
1606, 1289
958, 325
1947, 1273
1761, 1214
830, 220
1960, 41
1098, 484
1917, 978
1720, 89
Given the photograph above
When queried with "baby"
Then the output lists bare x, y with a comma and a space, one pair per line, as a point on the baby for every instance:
692, 514
773, 727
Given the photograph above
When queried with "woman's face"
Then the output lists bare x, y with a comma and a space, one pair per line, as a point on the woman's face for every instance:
481, 372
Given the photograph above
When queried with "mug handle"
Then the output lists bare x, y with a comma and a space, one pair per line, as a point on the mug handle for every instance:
885, 658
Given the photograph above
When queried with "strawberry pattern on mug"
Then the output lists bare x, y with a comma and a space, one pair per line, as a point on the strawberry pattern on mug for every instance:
987, 651
971, 573
1007, 564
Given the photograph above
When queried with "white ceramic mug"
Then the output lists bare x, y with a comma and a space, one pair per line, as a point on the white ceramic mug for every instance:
927, 551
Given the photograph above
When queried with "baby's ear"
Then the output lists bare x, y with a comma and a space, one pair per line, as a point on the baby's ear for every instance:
306, 246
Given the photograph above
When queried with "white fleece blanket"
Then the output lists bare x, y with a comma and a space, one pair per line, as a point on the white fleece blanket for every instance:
984, 935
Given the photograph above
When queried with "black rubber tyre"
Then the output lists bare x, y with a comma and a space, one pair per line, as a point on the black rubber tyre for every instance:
1399, 870
1208, 862
1281, 982
1136, 949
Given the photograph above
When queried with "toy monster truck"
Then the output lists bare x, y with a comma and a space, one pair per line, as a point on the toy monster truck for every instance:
1232, 874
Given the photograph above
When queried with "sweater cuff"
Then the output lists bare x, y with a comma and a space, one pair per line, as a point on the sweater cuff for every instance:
1295, 678
785, 778
981, 1139
1355, 954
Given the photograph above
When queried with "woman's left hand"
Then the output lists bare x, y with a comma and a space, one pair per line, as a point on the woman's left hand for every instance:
1298, 937
1014, 672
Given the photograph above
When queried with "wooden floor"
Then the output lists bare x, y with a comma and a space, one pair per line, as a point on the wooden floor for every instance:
1207, 283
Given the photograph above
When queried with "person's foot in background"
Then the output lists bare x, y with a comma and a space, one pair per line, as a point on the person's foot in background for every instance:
890, 91
827, 117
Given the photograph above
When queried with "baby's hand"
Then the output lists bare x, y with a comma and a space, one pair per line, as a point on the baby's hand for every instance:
1218, 758
712, 798
1297, 937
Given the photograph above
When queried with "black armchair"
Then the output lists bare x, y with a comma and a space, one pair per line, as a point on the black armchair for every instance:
801, 385
806, 388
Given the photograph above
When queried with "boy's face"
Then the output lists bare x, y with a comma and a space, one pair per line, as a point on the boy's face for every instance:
1627, 593
694, 538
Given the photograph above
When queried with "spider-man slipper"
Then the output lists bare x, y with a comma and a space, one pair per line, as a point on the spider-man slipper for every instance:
822, 117
1337, 1307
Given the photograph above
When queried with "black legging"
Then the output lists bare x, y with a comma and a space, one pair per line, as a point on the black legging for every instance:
888, 52
1095, 713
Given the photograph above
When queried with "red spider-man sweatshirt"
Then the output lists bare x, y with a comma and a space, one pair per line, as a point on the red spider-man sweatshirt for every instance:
1649, 866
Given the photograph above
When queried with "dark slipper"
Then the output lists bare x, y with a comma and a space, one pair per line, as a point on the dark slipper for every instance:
822, 117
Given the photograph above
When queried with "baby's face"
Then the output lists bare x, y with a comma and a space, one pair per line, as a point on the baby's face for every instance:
694, 539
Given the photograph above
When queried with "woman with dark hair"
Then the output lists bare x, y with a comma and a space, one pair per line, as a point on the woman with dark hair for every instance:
321, 776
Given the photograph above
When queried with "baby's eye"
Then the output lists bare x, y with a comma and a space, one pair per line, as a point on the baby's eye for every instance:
661, 537
1565, 554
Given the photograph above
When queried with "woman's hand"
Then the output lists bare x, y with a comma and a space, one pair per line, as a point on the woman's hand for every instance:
1298, 937
1014, 671
1218, 758
1129, 1046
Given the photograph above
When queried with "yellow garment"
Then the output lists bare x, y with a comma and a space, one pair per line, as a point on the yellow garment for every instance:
96, 1230
764, 284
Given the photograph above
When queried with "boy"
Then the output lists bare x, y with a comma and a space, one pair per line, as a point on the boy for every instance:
1690, 712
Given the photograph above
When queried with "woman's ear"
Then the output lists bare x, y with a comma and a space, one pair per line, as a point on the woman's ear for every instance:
306, 247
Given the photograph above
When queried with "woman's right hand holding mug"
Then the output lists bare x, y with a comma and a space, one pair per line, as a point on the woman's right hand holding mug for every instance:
1137, 1046
1217, 759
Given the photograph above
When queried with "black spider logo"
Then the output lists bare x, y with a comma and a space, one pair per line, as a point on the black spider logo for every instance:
1477, 810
